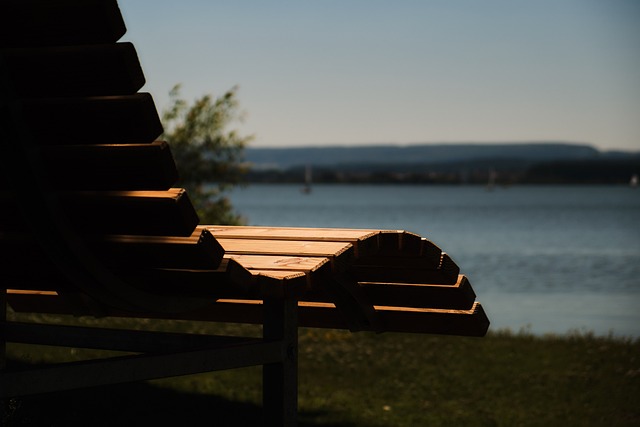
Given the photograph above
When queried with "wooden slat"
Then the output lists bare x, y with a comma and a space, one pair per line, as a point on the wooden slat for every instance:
110, 167
282, 284
367, 242
199, 251
364, 242
473, 322
63, 22
229, 280
285, 247
130, 119
291, 233
459, 296
280, 263
156, 213
74, 71
340, 255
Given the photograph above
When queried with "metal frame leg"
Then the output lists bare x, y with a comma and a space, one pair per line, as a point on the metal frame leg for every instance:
280, 380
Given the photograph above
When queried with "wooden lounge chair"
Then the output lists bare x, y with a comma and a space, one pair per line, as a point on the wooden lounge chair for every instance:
90, 225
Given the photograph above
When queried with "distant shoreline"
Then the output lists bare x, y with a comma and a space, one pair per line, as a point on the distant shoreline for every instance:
494, 164
574, 172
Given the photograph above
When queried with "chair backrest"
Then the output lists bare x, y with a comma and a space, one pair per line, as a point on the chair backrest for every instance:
79, 153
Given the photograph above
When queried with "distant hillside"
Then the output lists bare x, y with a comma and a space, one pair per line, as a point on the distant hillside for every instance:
445, 164
284, 158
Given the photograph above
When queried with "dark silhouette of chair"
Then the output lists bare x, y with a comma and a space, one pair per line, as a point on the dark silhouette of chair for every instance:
90, 225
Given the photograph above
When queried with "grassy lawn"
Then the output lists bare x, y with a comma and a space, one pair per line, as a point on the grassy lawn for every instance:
364, 379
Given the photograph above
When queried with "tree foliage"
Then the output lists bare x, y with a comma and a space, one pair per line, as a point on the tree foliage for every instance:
208, 155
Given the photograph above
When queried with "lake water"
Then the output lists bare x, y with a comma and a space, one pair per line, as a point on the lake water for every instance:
549, 259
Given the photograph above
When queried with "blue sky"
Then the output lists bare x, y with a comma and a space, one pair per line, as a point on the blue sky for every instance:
338, 72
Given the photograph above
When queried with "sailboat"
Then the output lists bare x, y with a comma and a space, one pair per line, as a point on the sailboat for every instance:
633, 182
306, 189
491, 182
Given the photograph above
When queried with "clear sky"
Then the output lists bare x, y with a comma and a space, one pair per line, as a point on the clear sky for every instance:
338, 72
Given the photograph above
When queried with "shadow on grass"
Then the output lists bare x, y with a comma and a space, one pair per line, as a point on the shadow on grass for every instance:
139, 404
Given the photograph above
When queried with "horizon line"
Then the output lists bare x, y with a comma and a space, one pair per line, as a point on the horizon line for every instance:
442, 143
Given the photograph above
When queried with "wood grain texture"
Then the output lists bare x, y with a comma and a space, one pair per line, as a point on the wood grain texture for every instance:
291, 233
285, 247
280, 263
285, 276
364, 242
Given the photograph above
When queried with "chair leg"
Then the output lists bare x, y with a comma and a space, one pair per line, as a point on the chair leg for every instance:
280, 380
3, 351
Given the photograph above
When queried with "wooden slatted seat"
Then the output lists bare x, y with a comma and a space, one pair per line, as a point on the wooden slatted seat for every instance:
93, 227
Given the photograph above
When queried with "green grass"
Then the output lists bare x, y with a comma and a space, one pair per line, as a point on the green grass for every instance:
363, 379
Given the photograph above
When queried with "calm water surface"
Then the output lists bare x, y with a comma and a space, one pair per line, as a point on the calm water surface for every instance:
549, 259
